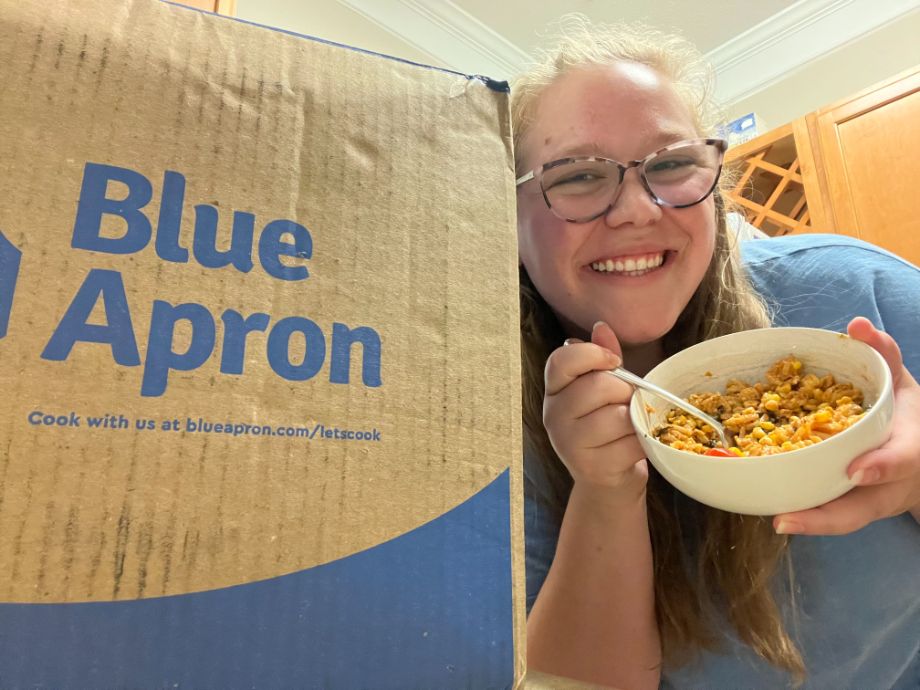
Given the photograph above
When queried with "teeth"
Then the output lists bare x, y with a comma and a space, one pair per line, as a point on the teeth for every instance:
633, 267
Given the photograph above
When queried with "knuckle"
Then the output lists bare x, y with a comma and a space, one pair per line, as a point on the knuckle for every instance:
551, 364
549, 413
551, 361
619, 420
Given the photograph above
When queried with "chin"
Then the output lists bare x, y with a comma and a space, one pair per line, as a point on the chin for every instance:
637, 337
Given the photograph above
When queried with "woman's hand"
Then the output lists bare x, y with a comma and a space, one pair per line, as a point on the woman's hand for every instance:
586, 414
594, 618
888, 477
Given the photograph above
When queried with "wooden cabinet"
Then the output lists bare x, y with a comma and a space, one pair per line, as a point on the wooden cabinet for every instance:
871, 150
851, 168
777, 184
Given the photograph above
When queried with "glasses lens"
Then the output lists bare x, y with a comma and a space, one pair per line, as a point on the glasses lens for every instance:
580, 189
684, 175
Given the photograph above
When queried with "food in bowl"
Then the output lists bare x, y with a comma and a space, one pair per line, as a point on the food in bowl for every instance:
791, 409
768, 484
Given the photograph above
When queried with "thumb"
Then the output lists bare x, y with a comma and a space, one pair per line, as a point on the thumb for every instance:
862, 329
603, 335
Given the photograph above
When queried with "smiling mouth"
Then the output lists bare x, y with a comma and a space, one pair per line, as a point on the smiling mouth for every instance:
632, 266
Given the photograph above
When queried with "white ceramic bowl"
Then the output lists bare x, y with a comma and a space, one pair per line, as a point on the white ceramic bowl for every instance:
786, 482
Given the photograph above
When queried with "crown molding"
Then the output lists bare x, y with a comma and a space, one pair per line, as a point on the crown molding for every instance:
444, 31
751, 62
789, 40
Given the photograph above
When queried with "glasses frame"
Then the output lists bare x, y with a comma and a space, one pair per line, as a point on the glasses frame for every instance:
537, 174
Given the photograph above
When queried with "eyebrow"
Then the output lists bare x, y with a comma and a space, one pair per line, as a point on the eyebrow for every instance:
586, 149
592, 148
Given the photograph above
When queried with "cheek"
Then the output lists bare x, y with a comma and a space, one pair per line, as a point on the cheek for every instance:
540, 234
702, 229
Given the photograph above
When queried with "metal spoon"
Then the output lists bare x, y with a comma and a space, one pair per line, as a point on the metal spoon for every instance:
640, 382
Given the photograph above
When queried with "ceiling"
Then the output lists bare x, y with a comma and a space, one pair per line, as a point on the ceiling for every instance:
753, 46
390, 26
708, 24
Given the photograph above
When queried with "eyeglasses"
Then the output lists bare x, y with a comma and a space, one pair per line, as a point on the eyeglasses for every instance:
583, 188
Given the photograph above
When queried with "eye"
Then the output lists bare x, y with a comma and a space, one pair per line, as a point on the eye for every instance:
668, 164
577, 177
585, 176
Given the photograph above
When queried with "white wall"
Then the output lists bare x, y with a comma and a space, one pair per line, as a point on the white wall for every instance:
879, 55
331, 20
874, 57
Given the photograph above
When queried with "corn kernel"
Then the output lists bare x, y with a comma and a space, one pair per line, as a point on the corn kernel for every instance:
823, 416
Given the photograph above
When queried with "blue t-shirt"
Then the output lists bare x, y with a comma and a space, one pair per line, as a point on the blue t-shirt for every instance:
857, 615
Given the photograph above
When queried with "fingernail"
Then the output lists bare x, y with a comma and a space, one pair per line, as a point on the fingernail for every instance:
568, 341
870, 475
599, 323
788, 527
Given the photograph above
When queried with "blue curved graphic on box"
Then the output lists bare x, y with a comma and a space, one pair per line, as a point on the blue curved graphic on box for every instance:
429, 609
9, 271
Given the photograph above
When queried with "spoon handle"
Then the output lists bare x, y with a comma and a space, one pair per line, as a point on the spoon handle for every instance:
640, 382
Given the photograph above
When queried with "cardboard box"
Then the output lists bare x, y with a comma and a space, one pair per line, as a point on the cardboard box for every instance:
260, 422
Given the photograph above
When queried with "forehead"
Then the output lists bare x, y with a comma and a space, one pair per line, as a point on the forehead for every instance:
624, 110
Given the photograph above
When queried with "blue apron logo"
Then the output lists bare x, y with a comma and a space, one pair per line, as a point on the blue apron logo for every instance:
9, 271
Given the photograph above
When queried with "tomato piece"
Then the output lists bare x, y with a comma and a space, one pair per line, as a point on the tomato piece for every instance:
720, 452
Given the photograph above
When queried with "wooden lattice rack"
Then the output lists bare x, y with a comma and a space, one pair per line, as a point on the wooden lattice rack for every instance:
772, 173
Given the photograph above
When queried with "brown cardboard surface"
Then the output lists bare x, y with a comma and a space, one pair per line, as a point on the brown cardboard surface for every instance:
401, 175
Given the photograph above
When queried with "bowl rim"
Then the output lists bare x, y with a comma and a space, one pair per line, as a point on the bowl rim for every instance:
884, 395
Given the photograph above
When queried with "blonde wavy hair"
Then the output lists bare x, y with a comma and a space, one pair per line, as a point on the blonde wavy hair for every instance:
733, 558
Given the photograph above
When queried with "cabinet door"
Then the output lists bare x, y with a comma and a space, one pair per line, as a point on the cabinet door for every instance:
870, 146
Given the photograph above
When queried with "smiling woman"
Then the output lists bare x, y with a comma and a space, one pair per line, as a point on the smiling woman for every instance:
594, 107
624, 242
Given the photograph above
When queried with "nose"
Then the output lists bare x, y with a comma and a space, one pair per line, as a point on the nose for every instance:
632, 205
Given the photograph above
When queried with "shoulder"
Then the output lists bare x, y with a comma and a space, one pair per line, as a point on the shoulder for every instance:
826, 265
820, 252
823, 281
